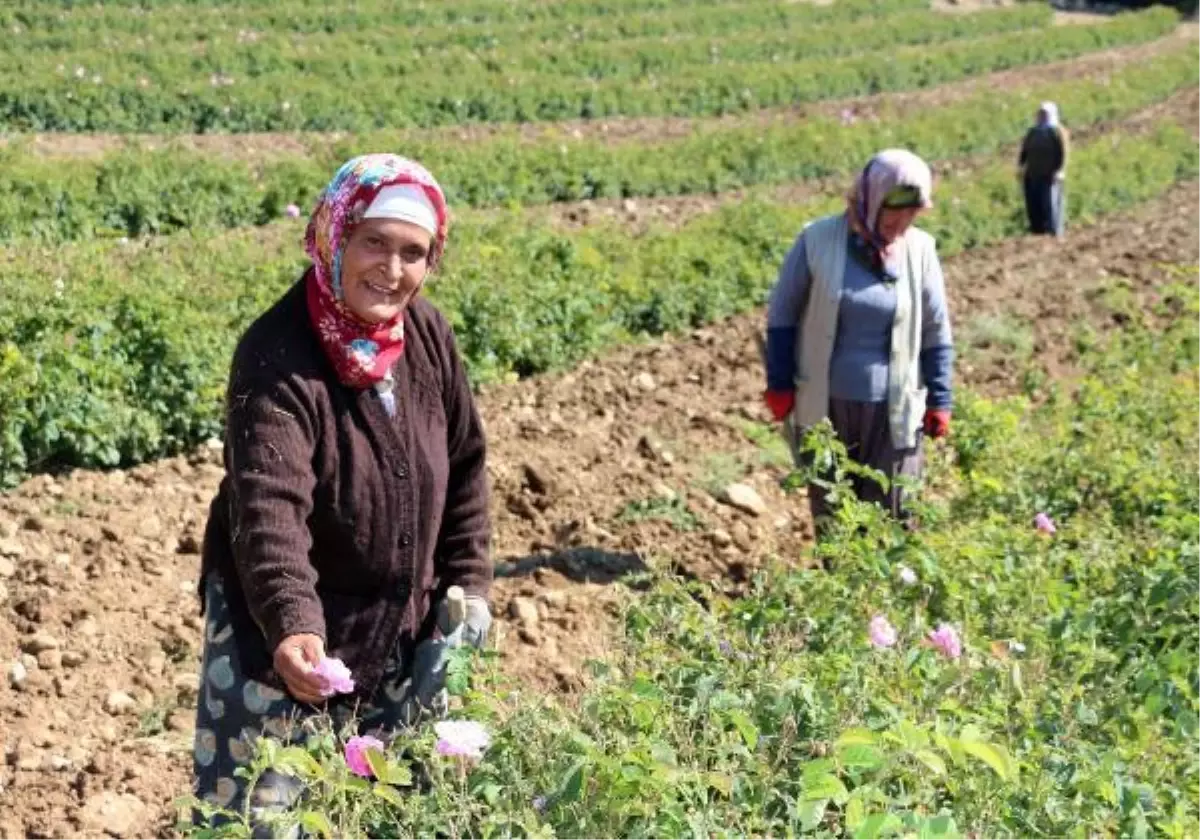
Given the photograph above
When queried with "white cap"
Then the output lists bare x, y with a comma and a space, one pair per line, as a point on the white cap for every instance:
406, 203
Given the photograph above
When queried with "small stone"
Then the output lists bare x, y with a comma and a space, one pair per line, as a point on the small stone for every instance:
529, 636
51, 660
3, 592
186, 684
7, 567
99, 764
17, 674
112, 813
65, 686
664, 492
537, 479
644, 382
744, 498
39, 642
34, 523
73, 659
524, 611
86, 627
8, 529
61, 560
28, 758
29, 661
554, 598
150, 527
720, 537
11, 547
119, 703
59, 763
180, 720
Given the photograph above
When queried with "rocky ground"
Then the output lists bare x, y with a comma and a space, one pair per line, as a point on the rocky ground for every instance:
651, 455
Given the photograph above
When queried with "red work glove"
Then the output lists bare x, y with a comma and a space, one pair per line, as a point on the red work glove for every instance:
937, 422
780, 403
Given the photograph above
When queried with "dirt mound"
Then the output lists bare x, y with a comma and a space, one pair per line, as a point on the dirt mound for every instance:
621, 464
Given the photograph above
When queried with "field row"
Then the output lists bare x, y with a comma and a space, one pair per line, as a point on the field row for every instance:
383, 32
138, 193
118, 354
279, 101
354, 56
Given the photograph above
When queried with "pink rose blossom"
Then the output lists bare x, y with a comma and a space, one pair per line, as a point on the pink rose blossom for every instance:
292, 211
945, 638
335, 677
461, 737
356, 754
881, 632
1044, 524
907, 576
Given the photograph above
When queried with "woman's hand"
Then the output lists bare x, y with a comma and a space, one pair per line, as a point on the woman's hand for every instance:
295, 661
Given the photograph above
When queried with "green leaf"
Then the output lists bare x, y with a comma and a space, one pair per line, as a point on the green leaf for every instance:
828, 786
745, 727
491, 793
941, 827
931, 760
297, 761
877, 825
860, 755
993, 756
378, 763
720, 782
856, 812
811, 812
388, 794
315, 823
572, 785
912, 737
855, 737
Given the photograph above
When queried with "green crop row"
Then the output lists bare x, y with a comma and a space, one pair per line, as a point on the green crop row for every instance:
132, 193
70, 17
342, 55
380, 31
283, 102
117, 354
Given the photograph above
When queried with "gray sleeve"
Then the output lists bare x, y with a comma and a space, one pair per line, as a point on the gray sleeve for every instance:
935, 316
786, 303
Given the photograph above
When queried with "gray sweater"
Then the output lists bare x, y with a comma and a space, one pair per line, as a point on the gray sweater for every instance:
858, 369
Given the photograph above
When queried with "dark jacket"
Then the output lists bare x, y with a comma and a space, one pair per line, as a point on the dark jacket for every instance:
1044, 152
334, 518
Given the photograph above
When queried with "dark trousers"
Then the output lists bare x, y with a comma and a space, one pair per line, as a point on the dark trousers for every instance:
1045, 206
867, 433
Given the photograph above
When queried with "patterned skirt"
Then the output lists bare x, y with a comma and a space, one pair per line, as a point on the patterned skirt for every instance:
233, 710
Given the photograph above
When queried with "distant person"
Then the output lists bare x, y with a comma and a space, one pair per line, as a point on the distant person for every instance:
858, 330
1043, 165
355, 493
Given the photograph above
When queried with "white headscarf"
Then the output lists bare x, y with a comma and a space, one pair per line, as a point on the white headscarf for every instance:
1048, 114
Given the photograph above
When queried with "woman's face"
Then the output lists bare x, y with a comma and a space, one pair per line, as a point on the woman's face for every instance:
383, 267
894, 222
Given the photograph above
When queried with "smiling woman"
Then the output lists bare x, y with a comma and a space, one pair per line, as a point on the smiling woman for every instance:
354, 506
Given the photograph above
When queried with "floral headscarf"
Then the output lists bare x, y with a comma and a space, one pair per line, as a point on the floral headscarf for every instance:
885, 172
362, 353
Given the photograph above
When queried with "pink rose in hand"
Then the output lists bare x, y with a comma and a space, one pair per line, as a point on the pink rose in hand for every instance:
356, 754
335, 677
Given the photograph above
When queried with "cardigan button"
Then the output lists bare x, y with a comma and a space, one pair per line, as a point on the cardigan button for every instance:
401, 471
405, 540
